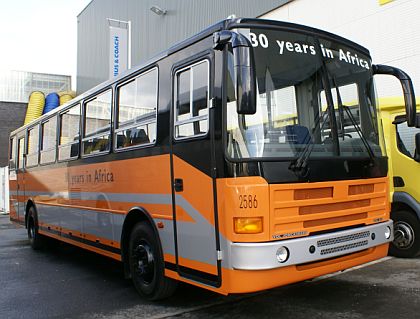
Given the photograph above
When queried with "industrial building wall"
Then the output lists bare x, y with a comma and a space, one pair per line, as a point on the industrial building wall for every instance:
390, 31
12, 115
151, 33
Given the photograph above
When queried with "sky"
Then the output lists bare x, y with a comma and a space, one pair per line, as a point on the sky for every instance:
40, 36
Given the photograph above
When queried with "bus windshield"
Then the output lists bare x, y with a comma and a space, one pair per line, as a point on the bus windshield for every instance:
292, 70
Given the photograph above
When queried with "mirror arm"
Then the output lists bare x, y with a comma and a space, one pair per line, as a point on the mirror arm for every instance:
407, 86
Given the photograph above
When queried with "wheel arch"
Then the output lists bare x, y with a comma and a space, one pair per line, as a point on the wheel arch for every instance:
134, 216
30, 203
404, 201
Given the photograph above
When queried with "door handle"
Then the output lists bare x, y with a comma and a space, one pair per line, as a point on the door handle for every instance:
178, 184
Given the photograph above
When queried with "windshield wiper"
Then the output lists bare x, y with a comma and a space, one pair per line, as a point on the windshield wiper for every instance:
301, 163
355, 124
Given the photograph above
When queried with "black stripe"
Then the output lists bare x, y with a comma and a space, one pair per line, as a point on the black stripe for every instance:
193, 274
82, 240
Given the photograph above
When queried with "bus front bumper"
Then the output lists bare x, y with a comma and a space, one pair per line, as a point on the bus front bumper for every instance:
270, 255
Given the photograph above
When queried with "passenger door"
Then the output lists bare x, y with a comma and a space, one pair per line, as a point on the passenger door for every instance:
195, 221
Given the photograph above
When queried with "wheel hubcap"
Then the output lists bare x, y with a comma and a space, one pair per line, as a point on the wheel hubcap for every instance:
403, 235
144, 262
31, 230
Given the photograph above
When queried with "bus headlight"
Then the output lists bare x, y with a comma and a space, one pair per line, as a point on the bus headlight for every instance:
387, 232
282, 254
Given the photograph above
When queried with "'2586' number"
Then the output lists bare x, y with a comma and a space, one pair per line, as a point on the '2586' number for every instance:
248, 201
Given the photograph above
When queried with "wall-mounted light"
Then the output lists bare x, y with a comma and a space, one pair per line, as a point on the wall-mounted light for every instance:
157, 10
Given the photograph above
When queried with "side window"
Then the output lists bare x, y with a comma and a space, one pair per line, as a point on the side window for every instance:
68, 140
97, 124
21, 151
12, 153
49, 137
406, 139
136, 112
192, 100
33, 147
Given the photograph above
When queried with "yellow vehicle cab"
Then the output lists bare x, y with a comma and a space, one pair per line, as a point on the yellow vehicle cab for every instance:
402, 147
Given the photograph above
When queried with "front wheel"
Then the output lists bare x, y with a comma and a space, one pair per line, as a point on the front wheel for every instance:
147, 265
406, 242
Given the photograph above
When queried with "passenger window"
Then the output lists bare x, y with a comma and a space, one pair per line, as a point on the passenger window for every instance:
137, 109
12, 153
97, 124
33, 141
49, 135
406, 139
192, 100
21, 152
68, 141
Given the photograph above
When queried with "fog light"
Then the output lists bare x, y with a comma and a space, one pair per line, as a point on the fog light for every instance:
282, 254
387, 232
250, 225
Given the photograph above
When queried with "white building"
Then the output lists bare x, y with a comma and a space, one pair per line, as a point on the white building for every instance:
388, 28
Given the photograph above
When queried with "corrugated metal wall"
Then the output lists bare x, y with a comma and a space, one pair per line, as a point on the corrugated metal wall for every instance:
151, 33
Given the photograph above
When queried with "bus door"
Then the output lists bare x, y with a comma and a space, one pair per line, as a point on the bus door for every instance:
195, 218
20, 177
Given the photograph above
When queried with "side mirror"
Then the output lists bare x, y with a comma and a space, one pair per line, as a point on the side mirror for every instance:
407, 86
417, 151
245, 79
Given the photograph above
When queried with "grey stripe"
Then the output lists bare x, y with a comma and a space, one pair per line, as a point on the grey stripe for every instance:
113, 197
196, 241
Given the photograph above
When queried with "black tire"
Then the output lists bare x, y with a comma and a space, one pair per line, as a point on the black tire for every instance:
406, 242
146, 264
36, 240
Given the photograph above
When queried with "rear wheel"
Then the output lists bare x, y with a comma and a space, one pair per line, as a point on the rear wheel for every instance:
406, 242
35, 239
146, 264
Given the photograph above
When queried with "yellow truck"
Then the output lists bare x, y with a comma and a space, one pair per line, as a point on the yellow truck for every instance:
403, 150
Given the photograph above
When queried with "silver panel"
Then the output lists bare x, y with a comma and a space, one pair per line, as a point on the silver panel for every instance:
255, 256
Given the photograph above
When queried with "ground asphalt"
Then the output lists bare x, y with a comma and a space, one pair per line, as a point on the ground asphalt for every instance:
66, 282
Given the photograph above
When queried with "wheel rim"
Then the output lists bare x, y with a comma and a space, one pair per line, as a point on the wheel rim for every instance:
143, 262
403, 235
31, 230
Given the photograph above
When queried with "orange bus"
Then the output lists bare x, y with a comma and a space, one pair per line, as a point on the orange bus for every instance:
222, 162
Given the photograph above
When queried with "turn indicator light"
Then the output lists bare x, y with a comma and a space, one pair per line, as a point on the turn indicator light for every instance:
248, 225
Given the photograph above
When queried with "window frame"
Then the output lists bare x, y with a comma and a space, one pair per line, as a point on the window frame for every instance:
192, 119
59, 127
83, 137
118, 129
35, 126
398, 120
41, 141
12, 152
19, 137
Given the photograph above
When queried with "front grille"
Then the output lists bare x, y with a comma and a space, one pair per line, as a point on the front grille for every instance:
321, 206
342, 239
333, 250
